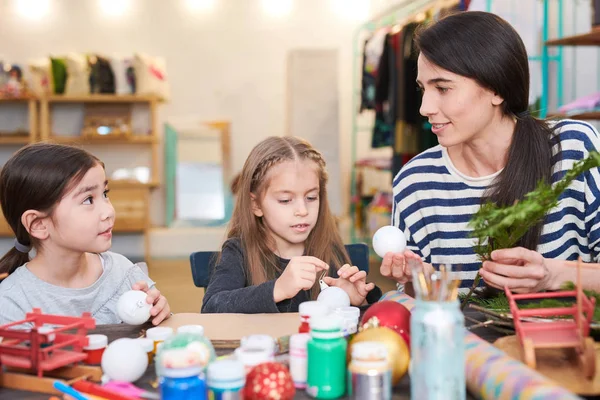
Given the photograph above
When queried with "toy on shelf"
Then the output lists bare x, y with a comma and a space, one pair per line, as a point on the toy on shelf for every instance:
561, 334
27, 354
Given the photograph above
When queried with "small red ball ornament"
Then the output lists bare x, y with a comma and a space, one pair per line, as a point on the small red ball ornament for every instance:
269, 381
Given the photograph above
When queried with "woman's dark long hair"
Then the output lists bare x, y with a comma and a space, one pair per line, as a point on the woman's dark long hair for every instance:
487, 49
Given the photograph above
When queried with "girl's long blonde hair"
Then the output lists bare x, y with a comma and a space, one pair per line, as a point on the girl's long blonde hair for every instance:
324, 241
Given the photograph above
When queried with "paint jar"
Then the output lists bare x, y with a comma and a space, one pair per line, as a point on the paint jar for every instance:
370, 372
252, 356
225, 380
95, 349
197, 329
350, 316
158, 335
182, 383
148, 346
326, 349
299, 359
259, 342
310, 309
437, 348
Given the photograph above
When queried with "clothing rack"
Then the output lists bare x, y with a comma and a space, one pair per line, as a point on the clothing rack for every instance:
395, 17
407, 11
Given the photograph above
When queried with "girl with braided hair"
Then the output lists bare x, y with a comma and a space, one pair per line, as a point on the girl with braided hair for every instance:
282, 236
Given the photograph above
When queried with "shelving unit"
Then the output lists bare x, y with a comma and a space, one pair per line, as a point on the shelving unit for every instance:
131, 199
587, 39
23, 138
19, 138
591, 38
151, 138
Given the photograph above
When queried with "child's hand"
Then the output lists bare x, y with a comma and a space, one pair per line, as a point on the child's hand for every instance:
300, 274
353, 281
161, 309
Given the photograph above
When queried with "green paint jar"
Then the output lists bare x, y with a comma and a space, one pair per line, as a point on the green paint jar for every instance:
326, 358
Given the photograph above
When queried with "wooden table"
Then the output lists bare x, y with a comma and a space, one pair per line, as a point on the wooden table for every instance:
401, 391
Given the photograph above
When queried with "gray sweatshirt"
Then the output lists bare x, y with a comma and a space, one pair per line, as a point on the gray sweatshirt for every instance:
22, 291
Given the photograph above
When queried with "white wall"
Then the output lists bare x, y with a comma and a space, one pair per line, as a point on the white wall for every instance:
228, 62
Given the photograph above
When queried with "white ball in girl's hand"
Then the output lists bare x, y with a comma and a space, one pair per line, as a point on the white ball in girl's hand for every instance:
124, 360
132, 307
334, 297
388, 239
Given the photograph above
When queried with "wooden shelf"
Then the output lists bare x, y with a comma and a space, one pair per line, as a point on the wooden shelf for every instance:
134, 139
100, 98
586, 116
587, 39
20, 99
14, 139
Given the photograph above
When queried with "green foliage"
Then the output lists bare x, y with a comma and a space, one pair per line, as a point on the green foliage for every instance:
501, 227
497, 227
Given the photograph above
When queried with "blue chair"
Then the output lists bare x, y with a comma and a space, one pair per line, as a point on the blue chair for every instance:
203, 262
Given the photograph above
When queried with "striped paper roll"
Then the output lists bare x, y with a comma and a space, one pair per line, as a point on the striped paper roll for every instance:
492, 374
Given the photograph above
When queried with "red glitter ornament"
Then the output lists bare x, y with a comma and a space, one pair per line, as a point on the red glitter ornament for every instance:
269, 381
390, 314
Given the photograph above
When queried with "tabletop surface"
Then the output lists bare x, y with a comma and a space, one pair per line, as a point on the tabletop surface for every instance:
401, 391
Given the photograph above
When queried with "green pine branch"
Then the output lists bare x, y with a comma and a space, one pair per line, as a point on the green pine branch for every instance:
496, 227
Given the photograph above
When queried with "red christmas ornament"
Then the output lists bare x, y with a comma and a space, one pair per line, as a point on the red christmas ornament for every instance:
390, 314
269, 381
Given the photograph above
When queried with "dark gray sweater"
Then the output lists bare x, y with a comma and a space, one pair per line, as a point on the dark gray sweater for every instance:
229, 291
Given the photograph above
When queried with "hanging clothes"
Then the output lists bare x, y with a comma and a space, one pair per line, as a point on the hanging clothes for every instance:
372, 51
385, 94
408, 130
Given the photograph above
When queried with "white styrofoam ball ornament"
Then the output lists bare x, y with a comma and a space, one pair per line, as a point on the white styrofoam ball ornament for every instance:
132, 307
124, 360
388, 239
334, 297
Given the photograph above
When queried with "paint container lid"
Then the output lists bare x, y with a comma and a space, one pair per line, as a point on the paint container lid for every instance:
226, 374
96, 342
159, 333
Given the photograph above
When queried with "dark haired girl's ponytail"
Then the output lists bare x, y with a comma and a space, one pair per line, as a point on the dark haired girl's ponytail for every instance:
15, 257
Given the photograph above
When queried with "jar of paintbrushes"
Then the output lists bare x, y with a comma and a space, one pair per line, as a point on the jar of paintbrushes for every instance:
437, 336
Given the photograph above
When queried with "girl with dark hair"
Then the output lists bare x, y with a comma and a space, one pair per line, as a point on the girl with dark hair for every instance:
55, 199
474, 74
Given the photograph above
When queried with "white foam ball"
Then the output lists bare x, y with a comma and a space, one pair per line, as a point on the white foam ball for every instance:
334, 297
124, 360
388, 239
132, 307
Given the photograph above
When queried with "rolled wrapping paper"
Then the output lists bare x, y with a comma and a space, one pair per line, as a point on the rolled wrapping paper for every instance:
492, 374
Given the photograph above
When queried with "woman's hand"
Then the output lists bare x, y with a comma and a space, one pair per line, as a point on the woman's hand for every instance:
519, 269
396, 266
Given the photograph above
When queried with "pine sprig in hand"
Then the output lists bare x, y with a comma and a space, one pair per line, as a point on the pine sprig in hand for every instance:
497, 227
502, 227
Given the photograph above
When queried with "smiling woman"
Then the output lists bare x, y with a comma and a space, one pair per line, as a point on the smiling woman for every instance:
473, 72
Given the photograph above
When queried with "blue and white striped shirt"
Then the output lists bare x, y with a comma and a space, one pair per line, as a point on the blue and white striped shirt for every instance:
433, 203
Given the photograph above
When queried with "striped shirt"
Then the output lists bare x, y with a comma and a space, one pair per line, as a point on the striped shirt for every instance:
433, 203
